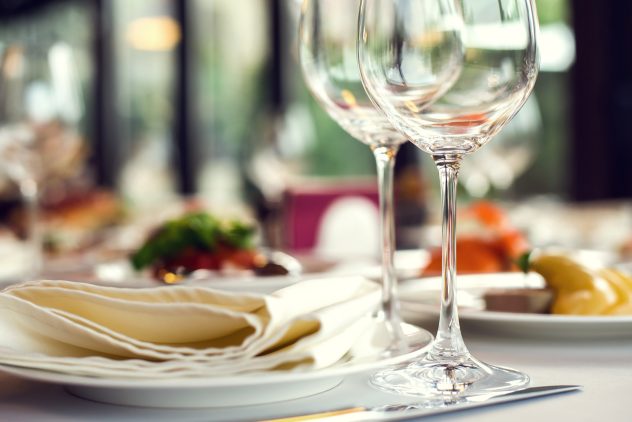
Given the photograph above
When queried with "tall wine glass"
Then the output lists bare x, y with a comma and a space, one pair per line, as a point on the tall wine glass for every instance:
328, 57
39, 106
17, 138
500, 64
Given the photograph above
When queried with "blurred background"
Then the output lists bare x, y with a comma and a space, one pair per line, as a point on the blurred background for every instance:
137, 104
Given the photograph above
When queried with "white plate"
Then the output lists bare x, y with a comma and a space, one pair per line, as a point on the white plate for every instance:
239, 390
420, 300
120, 273
233, 283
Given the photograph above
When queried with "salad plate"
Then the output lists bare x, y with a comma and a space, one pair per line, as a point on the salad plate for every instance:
121, 274
237, 390
420, 302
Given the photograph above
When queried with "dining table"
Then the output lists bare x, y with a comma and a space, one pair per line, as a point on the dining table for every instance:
600, 362
602, 366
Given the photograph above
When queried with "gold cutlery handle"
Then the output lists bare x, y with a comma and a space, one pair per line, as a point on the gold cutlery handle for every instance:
313, 416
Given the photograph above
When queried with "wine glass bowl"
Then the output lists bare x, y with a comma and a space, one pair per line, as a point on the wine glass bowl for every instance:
498, 70
328, 60
415, 54
496, 41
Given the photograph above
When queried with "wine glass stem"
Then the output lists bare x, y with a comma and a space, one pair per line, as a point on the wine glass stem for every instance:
448, 345
385, 160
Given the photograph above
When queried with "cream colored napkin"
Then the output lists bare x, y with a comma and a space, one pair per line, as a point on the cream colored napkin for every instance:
182, 331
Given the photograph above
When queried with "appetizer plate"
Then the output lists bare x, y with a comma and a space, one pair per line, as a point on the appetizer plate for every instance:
239, 390
420, 302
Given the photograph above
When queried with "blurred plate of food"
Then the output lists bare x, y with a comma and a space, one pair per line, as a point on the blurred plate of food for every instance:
76, 225
489, 241
198, 247
559, 298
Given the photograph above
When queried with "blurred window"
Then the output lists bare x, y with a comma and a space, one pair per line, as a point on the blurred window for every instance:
145, 36
530, 155
250, 119
56, 39
550, 170
231, 48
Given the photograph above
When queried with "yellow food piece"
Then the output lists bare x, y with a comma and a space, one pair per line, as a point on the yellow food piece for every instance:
623, 309
622, 285
562, 273
580, 290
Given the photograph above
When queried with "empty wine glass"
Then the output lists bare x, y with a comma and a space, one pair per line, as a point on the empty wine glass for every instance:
328, 56
16, 139
397, 47
38, 104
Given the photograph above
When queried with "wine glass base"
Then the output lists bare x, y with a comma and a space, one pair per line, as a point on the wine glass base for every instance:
448, 381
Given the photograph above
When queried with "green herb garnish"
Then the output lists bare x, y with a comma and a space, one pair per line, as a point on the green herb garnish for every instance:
198, 230
523, 262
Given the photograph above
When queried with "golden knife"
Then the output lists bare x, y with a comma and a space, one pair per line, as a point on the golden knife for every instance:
416, 410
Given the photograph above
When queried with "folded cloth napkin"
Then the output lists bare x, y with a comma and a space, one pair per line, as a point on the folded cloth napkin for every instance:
186, 331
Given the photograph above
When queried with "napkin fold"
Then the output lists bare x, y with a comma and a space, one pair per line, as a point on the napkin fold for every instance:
186, 331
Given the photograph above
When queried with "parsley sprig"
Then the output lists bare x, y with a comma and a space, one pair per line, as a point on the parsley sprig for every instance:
198, 230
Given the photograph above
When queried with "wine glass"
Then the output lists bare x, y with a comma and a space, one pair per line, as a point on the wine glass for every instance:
328, 57
38, 105
16, 139
396, 48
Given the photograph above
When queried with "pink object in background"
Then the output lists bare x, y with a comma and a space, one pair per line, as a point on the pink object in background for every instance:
307, 203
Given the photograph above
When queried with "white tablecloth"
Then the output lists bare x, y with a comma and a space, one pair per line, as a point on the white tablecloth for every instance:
604, 368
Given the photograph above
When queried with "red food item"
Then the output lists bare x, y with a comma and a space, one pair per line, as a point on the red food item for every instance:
191, 259
239, 258
488, 214
204, 261
495, 249
513, 243
474, 255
